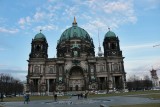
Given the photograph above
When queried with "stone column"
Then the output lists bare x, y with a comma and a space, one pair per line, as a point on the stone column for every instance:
57, 73
86, 83
63, 74
29, 69
32, 68
110, 67
105, 82
114, 84
122, 65
67, 83
29, 72
95, 73
110, 83
48, 85
123, 83
40, 69
38, 85
98, 82
89, 72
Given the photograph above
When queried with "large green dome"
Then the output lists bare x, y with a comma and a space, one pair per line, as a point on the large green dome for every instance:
40, 36
110, 34
74, 32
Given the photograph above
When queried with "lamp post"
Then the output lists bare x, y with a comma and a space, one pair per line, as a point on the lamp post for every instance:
15, 88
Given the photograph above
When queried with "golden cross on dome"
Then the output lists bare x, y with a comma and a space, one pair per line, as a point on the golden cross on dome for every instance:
40, 30
74, 20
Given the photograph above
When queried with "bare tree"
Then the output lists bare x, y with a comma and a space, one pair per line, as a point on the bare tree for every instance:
10, 85
135, 83
147, 82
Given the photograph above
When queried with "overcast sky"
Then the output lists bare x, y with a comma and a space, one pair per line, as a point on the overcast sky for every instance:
135, 22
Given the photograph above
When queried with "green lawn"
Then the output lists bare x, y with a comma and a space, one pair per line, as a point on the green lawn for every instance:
137, 93
9, 99
140, 105
151, 94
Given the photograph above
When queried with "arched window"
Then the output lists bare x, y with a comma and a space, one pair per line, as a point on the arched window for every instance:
51, 69
113, 45
100, 67
115, 67
60, 70
60, 79
92, 69
36, 69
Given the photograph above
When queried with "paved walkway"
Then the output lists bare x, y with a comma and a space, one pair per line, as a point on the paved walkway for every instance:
74, 102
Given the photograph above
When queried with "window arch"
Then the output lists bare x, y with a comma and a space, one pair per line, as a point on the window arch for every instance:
38, 48
36, 69
51, 69
113, 46
92, 69
115, 67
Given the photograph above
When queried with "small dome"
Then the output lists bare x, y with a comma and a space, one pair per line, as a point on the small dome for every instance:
39, 36
110, 34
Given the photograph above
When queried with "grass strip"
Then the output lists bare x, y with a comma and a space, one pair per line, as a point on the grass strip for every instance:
136, 93
32, 98
139, 105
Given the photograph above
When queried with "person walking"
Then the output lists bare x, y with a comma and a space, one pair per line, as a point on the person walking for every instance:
55, 97
78, 96
1, 97
26, 98
81, 95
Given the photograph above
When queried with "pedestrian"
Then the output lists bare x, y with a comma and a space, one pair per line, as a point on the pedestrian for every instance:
81, 95
78, 96
86, 94
26, 98
55, 97
1, 97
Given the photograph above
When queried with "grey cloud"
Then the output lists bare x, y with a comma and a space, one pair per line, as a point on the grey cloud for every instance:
10, 71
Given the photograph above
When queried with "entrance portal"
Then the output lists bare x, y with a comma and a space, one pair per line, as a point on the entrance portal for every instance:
76, 79
76, 87
118, 82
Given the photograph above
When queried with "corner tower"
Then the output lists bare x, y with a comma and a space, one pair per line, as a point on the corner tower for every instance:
39, 46
111, 45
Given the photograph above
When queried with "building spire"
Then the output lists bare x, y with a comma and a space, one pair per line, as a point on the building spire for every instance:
98, 38
100, 53
74, 22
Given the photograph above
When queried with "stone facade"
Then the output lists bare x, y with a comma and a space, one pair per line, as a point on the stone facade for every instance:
76, 67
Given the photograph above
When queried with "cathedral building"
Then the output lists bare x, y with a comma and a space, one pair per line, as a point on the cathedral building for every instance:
76, 68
